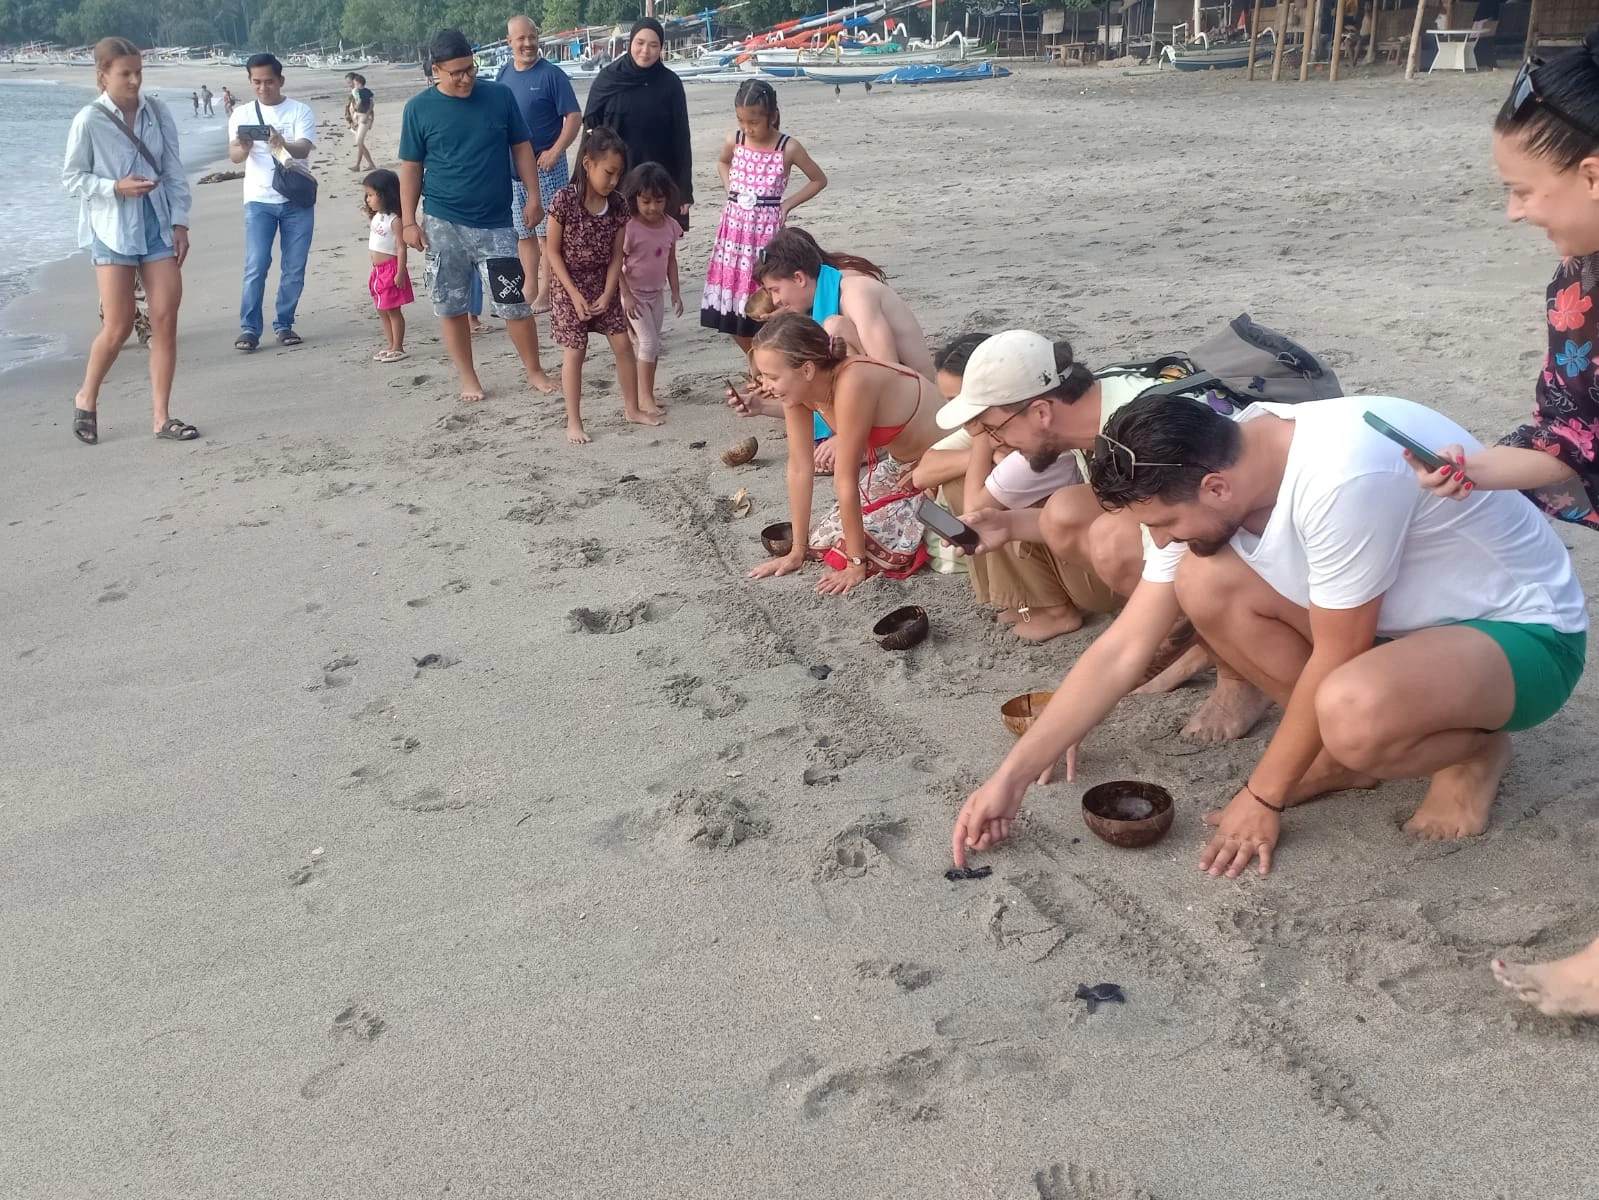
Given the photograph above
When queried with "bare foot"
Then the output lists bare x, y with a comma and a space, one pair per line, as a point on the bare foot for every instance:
1568, 987
1007, 616
651, 404
471, 390
1228, 713
1041, 624
541, 304
576, 434
1328, 775
640, 417
1457, 803
540, 381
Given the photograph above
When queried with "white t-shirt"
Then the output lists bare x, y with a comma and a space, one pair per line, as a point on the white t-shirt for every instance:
295, 121
1352, 523
382, 236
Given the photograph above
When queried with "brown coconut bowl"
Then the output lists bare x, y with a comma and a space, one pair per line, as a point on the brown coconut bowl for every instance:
760, 306
902, 628
740, 453
1128, 813
1019, 712
778, 539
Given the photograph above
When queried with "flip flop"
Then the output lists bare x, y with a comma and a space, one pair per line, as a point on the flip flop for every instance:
389, 356
177, 431
85, 426
287, 337
246, 342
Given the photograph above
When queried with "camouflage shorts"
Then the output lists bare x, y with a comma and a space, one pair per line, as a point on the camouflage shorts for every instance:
455, 251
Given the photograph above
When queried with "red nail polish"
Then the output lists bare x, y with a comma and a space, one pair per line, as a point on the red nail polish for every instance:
1469, 486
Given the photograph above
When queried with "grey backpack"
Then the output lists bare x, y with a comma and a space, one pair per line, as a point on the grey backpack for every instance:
1244, 363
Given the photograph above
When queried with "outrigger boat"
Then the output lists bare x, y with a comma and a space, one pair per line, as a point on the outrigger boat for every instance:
1204, 55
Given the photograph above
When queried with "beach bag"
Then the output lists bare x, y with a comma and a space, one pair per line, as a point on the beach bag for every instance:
1244, 364
292, 180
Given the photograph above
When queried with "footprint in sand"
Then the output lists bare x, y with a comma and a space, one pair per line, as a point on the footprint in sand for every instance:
908, 977
1071, 1181
355, 1023
609, 620
713, 700
113, 592
856, 849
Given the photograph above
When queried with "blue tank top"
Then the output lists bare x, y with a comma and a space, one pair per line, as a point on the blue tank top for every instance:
823, 306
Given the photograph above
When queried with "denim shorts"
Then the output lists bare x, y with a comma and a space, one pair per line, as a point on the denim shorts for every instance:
155, 247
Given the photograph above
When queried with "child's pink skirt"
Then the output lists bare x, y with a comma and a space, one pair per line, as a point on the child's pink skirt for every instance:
386, 292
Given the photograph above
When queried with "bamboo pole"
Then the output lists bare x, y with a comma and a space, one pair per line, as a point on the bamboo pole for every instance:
1312, 36
1532, 30
1371, 41
1337, 40
1254, 36
1415, 40
1285, 9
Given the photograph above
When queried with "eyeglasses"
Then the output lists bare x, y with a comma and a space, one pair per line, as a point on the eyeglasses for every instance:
458, 76
1116, 452
1524, 94
993, 430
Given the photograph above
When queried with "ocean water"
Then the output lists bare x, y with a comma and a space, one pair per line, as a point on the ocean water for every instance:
43, 220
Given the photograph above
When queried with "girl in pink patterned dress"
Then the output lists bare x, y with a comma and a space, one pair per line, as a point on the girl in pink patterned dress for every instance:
754, 166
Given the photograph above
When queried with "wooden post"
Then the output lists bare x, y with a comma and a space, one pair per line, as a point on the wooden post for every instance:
1312, 36
1415, 40
1371, 42
1337, 40
1285, 10
1254, 36
1532, 30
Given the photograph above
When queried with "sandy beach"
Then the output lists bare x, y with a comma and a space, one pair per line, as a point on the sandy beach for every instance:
401, 803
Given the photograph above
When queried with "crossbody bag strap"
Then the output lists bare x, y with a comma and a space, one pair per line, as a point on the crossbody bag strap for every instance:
133, 137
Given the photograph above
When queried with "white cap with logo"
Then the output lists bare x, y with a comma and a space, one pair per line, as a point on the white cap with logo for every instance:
1008, 368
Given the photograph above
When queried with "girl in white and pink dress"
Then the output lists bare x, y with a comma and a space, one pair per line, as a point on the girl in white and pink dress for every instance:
754, 165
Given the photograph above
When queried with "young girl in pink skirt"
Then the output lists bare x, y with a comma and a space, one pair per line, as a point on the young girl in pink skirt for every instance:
390, 282
754, 166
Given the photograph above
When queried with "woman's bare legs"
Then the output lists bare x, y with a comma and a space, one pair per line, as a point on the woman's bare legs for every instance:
116, 304
627, 380
572, 390
163, 293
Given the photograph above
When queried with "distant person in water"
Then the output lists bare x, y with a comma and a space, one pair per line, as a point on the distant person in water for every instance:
195, 97
205, 99
133, 218
227, 102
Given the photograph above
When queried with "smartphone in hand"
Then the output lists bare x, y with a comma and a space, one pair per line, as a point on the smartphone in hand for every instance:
1420, 453
255, 133
951, 528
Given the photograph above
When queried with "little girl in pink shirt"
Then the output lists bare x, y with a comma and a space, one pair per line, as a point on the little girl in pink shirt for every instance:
649, 266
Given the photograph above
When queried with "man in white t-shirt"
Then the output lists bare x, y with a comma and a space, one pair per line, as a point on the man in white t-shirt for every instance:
1020, 394
268, 215
1404, 633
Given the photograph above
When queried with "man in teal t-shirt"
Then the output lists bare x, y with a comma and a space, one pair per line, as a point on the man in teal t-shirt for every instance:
453, 162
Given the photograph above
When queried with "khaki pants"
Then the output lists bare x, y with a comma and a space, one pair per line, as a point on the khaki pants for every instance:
1027, 575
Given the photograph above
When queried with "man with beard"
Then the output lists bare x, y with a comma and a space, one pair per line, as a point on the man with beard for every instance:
1030, 396
1405, 634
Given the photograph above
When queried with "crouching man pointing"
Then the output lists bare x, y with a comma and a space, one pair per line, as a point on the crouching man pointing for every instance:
1402, 633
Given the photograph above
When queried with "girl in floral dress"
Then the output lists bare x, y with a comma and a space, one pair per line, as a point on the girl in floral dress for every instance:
587, 224
754, 166
1546, 146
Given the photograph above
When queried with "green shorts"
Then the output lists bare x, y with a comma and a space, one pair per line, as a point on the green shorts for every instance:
1545, 665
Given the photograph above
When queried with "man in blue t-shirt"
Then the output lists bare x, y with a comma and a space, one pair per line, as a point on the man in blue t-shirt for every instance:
453, 143
554, 118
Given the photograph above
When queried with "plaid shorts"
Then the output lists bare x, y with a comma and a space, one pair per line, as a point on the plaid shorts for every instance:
550, 182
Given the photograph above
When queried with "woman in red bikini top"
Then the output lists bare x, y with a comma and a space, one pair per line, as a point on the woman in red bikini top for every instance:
878, 411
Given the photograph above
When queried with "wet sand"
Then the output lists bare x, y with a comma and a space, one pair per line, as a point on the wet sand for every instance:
613, 897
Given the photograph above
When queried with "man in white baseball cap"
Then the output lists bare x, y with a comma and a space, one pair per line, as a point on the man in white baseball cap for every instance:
1031, 396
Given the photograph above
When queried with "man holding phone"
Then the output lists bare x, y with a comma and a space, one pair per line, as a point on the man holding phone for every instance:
1404, 634
257, 129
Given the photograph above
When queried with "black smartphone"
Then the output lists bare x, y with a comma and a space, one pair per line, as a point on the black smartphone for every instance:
951, 528
254, 133
1419, 452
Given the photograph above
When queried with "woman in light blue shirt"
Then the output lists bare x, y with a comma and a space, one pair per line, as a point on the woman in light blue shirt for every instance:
133, 217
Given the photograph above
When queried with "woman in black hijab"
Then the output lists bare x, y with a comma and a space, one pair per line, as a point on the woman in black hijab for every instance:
642, 99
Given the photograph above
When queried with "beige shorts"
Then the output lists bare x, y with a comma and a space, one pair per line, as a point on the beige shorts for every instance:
363, 126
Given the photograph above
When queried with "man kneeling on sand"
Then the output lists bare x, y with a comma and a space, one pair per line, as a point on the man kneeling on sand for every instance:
1028, 395
1403, 633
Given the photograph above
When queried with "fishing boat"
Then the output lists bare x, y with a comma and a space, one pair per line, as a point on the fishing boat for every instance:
1206, 55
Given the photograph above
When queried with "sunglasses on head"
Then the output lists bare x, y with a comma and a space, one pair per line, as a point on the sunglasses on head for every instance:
1524, 94
1121, 458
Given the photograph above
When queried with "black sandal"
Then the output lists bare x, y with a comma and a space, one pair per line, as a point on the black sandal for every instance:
246, 342
176, 431
287, 337
85, 426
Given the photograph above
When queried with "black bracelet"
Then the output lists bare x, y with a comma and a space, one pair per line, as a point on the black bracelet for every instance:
1267, 803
